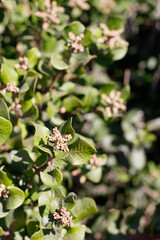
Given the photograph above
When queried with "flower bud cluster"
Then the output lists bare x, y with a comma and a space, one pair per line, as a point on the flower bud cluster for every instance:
60, 142
82, 4
114, 103
95, 161
16, 106
112, 37
52, 9
75, 42
106, 6
23, 63
62, 217
11, 87
3, 192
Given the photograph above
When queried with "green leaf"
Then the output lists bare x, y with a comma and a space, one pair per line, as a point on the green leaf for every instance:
52, 237
30, 111
40, 133
23, 156
16, 219
32, 226
5, 179
8, 74
67, 87
119, 52
1, 231
95, 175
16, 197
75, 233
5, 130
116, 22
91, 98
137, 158
4, 112
107, 88
87, 38
45, 221
72, 102
75, 27
70, 201
29, 86
38, 235
52, 179
66, 128
3, 212
128, 125
83, 208
112, 217
43, 68
57, 62
78, 60
80, 152
125, 93
33, 57
49, 200
15, 140
44, 148
59, 157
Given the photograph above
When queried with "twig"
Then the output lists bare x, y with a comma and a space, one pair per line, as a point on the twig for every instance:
55, 79
127, 76
47, 163
16, 109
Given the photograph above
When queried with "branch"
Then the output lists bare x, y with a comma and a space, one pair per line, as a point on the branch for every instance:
55, 79
46, 164
127, 76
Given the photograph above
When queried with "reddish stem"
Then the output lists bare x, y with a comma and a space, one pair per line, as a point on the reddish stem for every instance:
38, 169
55, 79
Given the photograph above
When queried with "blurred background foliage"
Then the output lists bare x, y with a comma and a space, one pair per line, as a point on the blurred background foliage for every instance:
126, 186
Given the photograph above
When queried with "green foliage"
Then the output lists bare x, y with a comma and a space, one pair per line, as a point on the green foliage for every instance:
78, 119
83, 208
5, 130
8, 74
58, 63
16, 198
52, 179
80, 152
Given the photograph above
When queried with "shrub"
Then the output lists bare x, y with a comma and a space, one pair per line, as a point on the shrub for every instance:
61, 113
